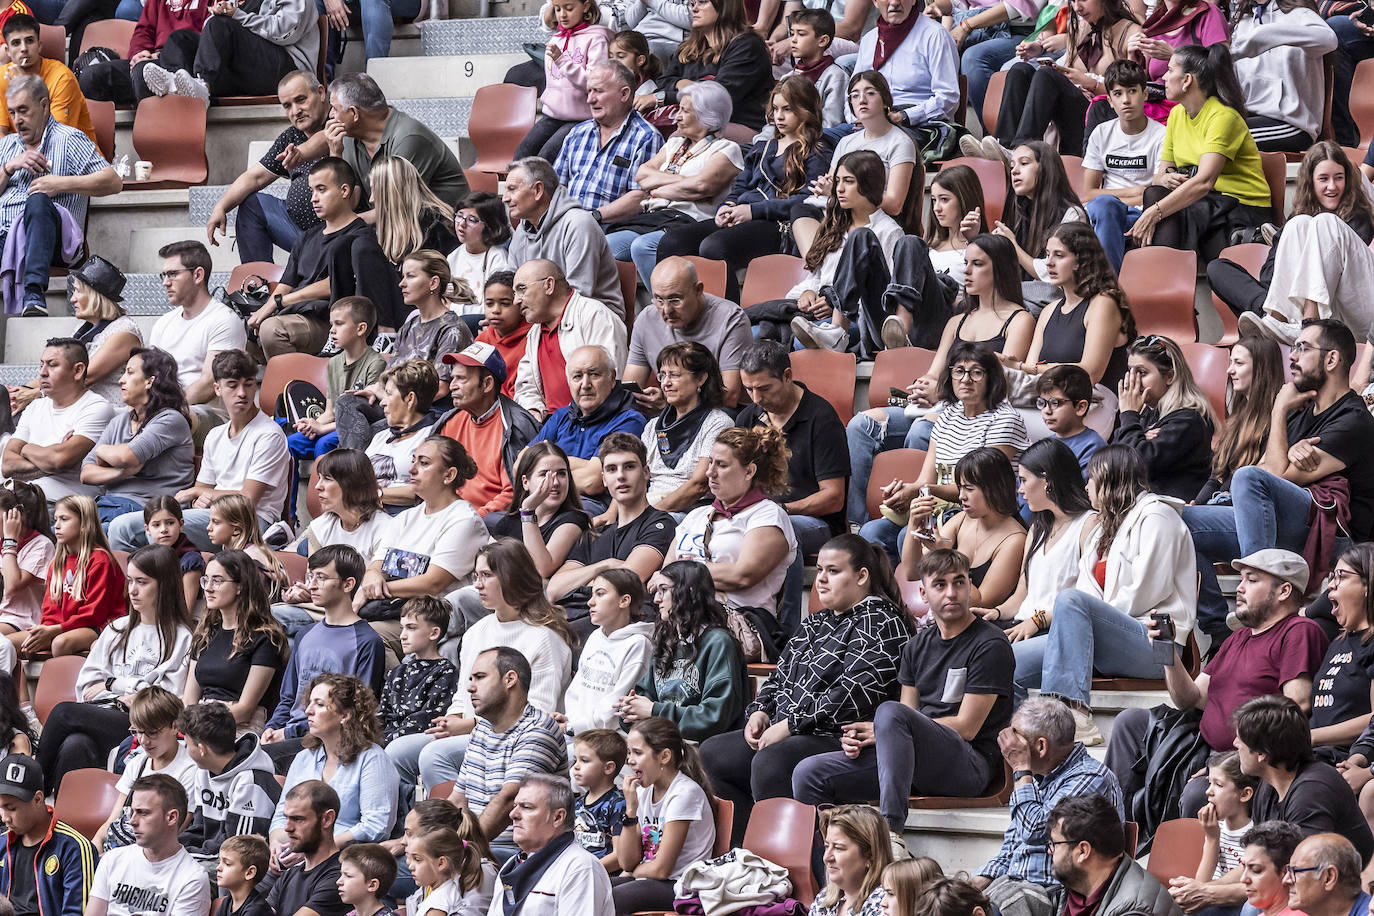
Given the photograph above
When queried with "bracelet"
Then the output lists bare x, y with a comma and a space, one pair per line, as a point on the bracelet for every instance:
1041, 620
9, 542
527, 515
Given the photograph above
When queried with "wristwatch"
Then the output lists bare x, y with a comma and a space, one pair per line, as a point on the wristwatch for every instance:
628, 820
276, 297
596, 214
1018, 775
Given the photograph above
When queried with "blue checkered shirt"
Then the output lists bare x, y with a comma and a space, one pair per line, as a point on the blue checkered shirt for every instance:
594, 174
1024, 854
69, 151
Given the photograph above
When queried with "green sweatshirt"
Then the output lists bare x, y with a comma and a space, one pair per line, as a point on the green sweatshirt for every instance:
705, 696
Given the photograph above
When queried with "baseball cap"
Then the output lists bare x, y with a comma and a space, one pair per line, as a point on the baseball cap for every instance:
20, 776
1284, 565
481, 356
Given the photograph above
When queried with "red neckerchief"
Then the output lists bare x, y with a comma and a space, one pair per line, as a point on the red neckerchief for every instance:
890, 37
813, 71
755, 495
567, 34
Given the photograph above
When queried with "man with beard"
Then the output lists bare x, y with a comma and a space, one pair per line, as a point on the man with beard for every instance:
1317, 455
309, 860
1090, 860
1275, 651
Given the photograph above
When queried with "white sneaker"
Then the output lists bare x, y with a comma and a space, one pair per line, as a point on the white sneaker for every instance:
993, 150
894, 333
1084, 728
1267, 325
819, 336
160, 82
969, 146
35, 726
193, 87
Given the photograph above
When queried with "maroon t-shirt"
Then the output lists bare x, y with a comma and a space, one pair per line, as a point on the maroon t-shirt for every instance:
1250, 665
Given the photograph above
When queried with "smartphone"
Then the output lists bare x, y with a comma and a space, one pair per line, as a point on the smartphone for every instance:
1366, 15
632, 387
898, 397
1162, 646
1044, 62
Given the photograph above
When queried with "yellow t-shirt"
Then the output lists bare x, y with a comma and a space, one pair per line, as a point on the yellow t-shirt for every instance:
1218, 129
68, 104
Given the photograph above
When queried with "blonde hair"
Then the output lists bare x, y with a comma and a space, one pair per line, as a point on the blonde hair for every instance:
401, 199
863, 825
91, 537
106, 309
237, 510
909, 878
436, 265
1183, 392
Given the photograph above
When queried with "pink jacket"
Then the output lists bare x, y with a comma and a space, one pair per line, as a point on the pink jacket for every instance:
565, 93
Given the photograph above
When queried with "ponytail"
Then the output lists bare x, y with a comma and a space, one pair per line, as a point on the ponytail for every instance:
1215, 74
662, 734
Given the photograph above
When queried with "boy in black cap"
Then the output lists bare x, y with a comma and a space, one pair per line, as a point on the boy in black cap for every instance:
46, 866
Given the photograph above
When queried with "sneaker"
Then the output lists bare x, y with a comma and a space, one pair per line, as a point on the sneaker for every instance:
1084, 728
160, 81
35, 306
1269, 232
894, 333
193, 87
819, 336
279, 535
969, 146
35, 727
993, 150
1268, 325
899, 850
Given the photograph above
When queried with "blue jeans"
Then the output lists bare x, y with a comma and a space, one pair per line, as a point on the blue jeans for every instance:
1086, 633
292, 619
641, 249
885, 534
1352, 47
47, 11
377, 16
1111, 218
110, 507
867, 437
129, 9
262, 222
42, 243
980, 62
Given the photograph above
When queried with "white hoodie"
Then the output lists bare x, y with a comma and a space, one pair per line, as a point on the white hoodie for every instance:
610, 666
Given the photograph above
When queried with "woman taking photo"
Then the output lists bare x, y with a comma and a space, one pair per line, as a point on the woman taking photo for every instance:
547, 515
1343, 695
341, 750
858, 848
482, 229
679, 439
237, 650
744, 537
144, 451
410, 388
697, 676
834, 671
686, 180
1254, 375
1210, 180
149, 648
1165, 417
409, 215
1136, 561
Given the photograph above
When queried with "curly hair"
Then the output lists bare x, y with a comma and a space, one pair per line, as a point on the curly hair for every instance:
354, 701
764, 447
801, 96
966, 351
1093, 275
695, 609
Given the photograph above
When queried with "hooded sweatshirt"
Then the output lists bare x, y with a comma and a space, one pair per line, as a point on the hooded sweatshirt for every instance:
238, 801
609, 668
572, 239
291, 24
1278, 58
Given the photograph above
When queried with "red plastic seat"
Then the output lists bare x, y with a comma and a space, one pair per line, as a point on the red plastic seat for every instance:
84, 799
1209, 365
996, 182
1250, 256
992, 100
52, 43
711, 273
829, 374
103, 120
169, 132
896, 369
781, 830
1161, 286
994, 796
265, 269
1177, 850
501, 116
770, 277
57, 684
899, 463
286, 367
114, 34
1276, 173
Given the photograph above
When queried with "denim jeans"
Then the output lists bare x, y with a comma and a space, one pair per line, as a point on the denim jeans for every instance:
1352, 47
867, 437
110, 507
885, 534
811, 534
292, 619
980, 61
262, 222
642, 249
405, 754
377, 16
1111, 218
1086, 633
42, 243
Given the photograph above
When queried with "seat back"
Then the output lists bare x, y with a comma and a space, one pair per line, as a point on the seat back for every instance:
501, 116
1276, 173
1161, 285
286, 367
770, 277
1073, 166
1130, 832
1362, 100
295, 565
711, 273
992, 100
52, 42
1209, 365
725, 824
829, 374
57, 684
1250, 256
1176, 850
84, 799
241, 272
781, 830
103, 120
896, 369
899, 463
169, 132
996, 182
114, 34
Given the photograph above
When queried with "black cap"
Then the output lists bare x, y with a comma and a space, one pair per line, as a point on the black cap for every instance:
101, 276
20, 776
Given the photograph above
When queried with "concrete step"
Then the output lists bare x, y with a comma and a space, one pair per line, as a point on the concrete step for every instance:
496, 35
113, 220
440, 77
144, 245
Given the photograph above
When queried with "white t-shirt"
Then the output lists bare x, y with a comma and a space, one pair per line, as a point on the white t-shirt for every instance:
684, 801
727, 539
950, 262
44, 423
391, 459
475, 268
448, 899
893, 147
182, 769
258, 453
450, 538
328, 529
189, 341
697, 209
1125, 160
134, 886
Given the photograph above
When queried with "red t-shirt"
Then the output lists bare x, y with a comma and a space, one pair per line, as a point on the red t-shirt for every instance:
553, 371
102, 595
1250, 665
490, 489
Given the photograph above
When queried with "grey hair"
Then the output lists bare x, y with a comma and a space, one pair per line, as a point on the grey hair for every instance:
1335, 851
618, 71
358, 90
1048, 718
712, 103
312, 82
32, 86
765, 356
538, 171
557, 792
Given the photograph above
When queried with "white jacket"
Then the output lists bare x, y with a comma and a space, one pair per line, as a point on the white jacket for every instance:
585, 322
1278, 58
609, 668
574, 884
734, 881
1151, 565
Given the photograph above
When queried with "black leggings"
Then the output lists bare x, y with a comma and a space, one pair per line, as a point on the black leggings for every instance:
635, 895
744, 776
76, 736
1034, 98
735, 245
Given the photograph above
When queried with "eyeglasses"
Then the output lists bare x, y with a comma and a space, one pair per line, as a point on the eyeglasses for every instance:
1292, 872
214, 581
480, 576
172, 274
976, 373
521, 287
660, 301
1302, 347
146, 732
1051, 403
319, 578
672, 376
1050, 844
470, 220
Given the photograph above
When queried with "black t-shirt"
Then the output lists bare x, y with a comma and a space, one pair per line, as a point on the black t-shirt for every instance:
221, 675
652, 528
1340, 691
1318, 801
255, 904
979, 660
820, 449
317, 889
23, 889
1346, 430
510, 525
298, 205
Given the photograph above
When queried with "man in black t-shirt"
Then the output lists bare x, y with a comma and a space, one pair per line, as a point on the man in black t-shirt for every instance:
941, 737
307, 855
1319, 434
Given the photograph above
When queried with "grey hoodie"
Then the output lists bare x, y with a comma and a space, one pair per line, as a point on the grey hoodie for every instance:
568, 236
608, 669
291, 24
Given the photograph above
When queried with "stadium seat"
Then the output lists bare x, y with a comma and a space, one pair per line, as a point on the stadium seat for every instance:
294, 564
1251, 256
995, 796
1362, 100
725, 823
169, 132
1209, 365
122, 558
898, 463
114, 34
711, 273
992, 100
482, 181
1177, 849
829, 374
84, 799
996, 181
770, 277
103, 120
1276, 173
629, 283
501, 116
1073, 165
241, 272
57, 684
896, 369
286, 367
52, 42
1160, 284
781, 830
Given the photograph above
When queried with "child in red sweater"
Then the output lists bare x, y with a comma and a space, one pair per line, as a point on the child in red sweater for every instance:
506, 327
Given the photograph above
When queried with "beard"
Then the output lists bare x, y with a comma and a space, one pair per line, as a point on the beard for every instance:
1309, 381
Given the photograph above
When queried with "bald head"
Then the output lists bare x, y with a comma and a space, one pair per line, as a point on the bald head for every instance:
541, 291
1323, 875
678, 293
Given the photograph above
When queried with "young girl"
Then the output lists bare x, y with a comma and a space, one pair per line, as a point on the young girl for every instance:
452, 867
616, 654
234, 526
578, 43
851, 255
1044, 198
668, 819
164, 524
905, 880
483, 230
1165, 417
25, 555
1225, 818
631, 48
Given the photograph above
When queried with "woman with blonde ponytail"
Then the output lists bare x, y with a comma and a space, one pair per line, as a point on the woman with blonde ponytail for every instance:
433, 329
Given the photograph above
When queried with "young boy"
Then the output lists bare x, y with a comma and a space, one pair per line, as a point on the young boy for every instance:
235, 790
341, 643
419, 689
366, 871
243, 864
153, 714
506, 325
1064, 394
1120, 159
356, 365
598, 754
810, 33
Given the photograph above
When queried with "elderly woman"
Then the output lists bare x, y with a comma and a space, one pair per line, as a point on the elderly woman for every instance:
687, 179
109, 334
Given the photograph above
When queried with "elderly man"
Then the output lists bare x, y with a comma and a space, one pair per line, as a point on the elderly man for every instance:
599, 407
547, 222
553, 868
1323, 878
265, 221
683, 310
562, 319
51, 171
922, 68
1090, 859
599, 158
1047, 766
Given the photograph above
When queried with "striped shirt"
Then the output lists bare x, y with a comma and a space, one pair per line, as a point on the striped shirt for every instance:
594, 174
955, 435
70, 152
534, 744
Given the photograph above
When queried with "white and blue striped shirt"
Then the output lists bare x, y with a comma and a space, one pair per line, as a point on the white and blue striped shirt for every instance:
70, 153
